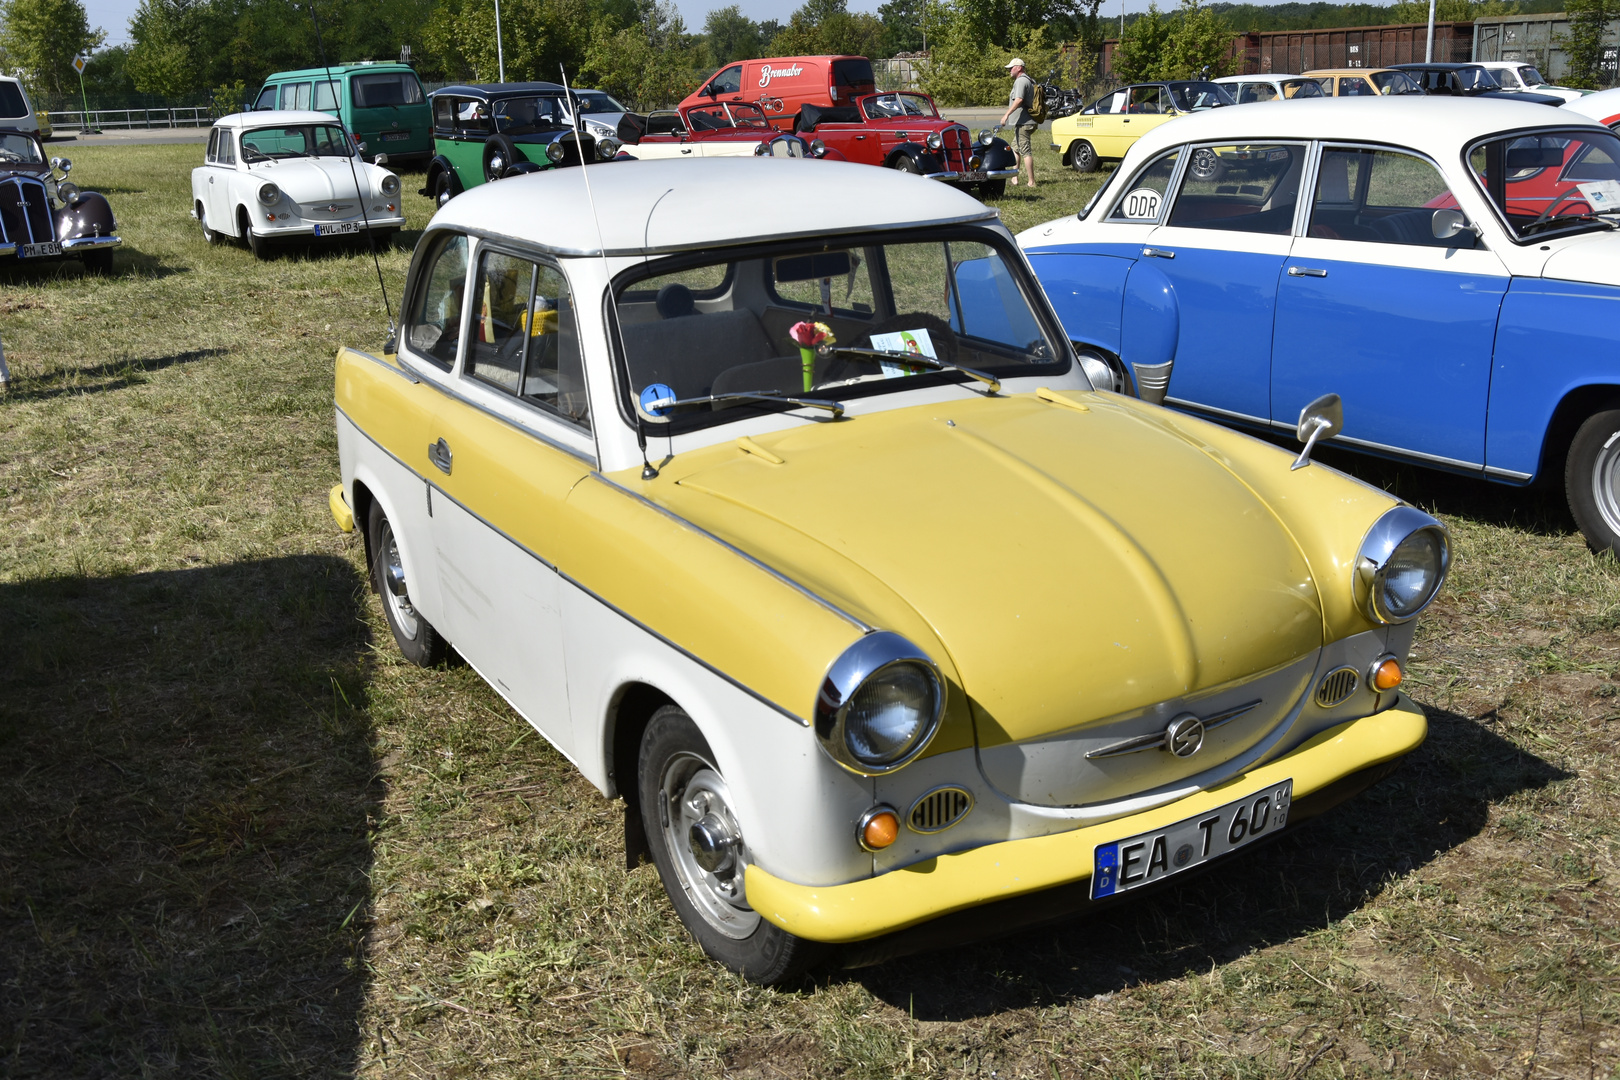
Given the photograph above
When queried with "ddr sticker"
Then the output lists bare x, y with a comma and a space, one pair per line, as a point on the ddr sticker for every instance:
1140, 205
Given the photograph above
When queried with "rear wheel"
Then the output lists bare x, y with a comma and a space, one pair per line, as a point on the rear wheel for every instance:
1083, 157
698, 846
415, 636
209, 234
1592, 480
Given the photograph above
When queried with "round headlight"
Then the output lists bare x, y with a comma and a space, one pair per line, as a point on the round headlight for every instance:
67, 192
556, 151
879, 705
935, 141
986, 137
1401, 565
269, 194
607, 149
390, 184
818, 148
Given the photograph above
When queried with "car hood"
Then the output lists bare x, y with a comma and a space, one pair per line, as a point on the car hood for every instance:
312, 180
1593, 258
1070, 563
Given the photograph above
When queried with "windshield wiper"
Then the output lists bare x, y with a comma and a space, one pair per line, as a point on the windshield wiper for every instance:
665, 404
1565, 219
921, 361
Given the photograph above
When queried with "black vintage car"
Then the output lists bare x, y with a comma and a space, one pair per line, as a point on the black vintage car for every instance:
42, 215
1469, 80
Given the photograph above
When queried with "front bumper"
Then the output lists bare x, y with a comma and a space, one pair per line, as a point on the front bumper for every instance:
974, 176
926, 890
307, 228
71, 247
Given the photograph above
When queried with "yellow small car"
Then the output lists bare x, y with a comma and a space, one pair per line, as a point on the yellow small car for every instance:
1363, 82
814, 540
1109, 126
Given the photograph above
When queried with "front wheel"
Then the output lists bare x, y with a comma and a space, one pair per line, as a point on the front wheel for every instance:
98, 263
906, 165
992, 189
415, 636
697, 844
259, 245
443, 191
1592, 480
1083, 157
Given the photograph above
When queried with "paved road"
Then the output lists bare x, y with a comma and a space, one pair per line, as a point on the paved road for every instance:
131, 136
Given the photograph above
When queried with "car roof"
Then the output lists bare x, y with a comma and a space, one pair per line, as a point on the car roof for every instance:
1348, 71
655, 207
384, 66
1270, 76
6, 129
271, 117
1439, 126
1435, 65
492, 90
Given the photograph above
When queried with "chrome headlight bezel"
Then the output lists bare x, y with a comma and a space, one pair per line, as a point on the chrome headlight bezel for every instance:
1378, 548
936, 141
607, 148
269, 194
855, 668
389, 184
556, 151
986, 137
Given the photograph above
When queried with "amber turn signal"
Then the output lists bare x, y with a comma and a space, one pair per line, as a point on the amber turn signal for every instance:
880, 827
1386, 674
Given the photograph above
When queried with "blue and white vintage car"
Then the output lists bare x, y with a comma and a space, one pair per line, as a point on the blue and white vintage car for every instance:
1449, 268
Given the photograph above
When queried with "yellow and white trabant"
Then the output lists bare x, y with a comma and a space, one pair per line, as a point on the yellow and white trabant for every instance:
907, 622
1107, 128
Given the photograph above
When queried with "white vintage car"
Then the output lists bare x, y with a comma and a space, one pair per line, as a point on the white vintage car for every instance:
282, 174
808, 536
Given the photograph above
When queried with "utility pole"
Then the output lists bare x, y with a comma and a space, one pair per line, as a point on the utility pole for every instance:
500, 52
1428, 50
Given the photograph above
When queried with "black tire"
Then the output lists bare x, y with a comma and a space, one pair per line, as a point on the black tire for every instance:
1206, 165
444, 189
904, 164
417, 640
259, 245
1083, 157
500, 154
383, 239
1592, 480
676, 770
210, 234
992, 189
98, 263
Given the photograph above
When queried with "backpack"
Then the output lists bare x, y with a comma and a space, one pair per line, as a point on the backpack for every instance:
1037, 104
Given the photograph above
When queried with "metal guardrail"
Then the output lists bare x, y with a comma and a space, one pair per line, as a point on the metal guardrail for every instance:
102, 119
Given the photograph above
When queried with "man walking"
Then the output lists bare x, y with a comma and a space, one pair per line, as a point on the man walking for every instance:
1018, 106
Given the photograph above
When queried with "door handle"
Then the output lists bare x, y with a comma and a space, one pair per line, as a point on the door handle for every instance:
1306, 271
1157, 253
686, 149
439, 454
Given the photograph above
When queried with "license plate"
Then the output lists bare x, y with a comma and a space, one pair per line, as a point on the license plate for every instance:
337, 229
34, 251
395, 136
976, 174
1150, 857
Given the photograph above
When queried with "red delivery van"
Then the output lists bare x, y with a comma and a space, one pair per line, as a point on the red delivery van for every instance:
780, 84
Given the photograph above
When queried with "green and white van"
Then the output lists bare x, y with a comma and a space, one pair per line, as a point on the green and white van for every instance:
381, 104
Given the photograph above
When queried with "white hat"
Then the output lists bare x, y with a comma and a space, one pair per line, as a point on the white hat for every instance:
1015, 62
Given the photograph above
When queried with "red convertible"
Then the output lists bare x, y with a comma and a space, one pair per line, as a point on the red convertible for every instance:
724, 129
904, 131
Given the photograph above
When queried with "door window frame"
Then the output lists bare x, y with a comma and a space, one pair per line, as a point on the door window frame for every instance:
1302, 221
1307, 181
1171, 187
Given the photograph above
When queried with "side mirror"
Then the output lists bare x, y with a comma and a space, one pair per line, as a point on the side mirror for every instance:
1321, 419
380, 159
1448, 223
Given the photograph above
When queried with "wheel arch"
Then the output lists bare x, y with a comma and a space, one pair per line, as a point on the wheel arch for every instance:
360, 500
242, 220
914, 151
629, 711
1571, 411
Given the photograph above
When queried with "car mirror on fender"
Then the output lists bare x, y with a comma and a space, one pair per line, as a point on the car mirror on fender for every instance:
1321, 419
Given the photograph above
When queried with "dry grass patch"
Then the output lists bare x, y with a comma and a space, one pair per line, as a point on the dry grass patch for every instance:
240, 837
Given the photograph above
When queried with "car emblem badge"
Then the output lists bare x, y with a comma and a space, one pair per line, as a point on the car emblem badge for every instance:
1185, 735
332, 208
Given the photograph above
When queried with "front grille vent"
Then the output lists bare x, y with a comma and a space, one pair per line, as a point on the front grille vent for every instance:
1336, 686
25, 212
939, 809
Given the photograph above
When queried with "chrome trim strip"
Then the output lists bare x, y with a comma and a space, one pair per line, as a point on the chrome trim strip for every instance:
1161, 740
772, 571
1508, 474
8, 249
755, 694
1193, 406
1393, 451
401, 370
588, 459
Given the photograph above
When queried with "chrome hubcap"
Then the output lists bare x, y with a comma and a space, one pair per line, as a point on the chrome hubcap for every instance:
1606, 482
497, 165
396, 596
705, 843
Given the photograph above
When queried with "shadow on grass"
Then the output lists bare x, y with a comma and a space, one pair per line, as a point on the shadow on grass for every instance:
183, 822
127, 262
1312, 876
117, 374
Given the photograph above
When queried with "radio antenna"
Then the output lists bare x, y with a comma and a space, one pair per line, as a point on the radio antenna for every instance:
353, 145
647, 470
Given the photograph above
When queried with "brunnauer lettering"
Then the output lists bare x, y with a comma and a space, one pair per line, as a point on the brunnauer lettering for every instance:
767, 73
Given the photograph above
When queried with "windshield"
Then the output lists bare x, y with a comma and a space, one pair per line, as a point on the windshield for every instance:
1191, 96
885, 106
20, 148
594, 101
698, 328
313, 140
530, 114
1530, 75
1551, 181
1395, 82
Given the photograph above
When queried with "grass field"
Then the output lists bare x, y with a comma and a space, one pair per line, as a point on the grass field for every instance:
239, 837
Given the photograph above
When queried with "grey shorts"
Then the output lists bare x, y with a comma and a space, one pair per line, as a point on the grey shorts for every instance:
1021, 136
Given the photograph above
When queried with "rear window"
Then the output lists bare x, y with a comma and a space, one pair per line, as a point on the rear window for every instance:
11, 100
393, 88
853, 73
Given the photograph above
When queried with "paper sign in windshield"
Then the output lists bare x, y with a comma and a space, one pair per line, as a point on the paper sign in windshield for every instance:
1141, 205
911, 341
1602, 195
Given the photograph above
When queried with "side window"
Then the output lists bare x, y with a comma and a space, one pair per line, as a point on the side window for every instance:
435, 323
213, 146
227, 147
267, 98
1380, 197
1355, 86
728, 81
1256, 91
1326, 83
326, 96
1144, 196
1150, 100
1251, 187
295, 95
525, 338
472, 117
444, 115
